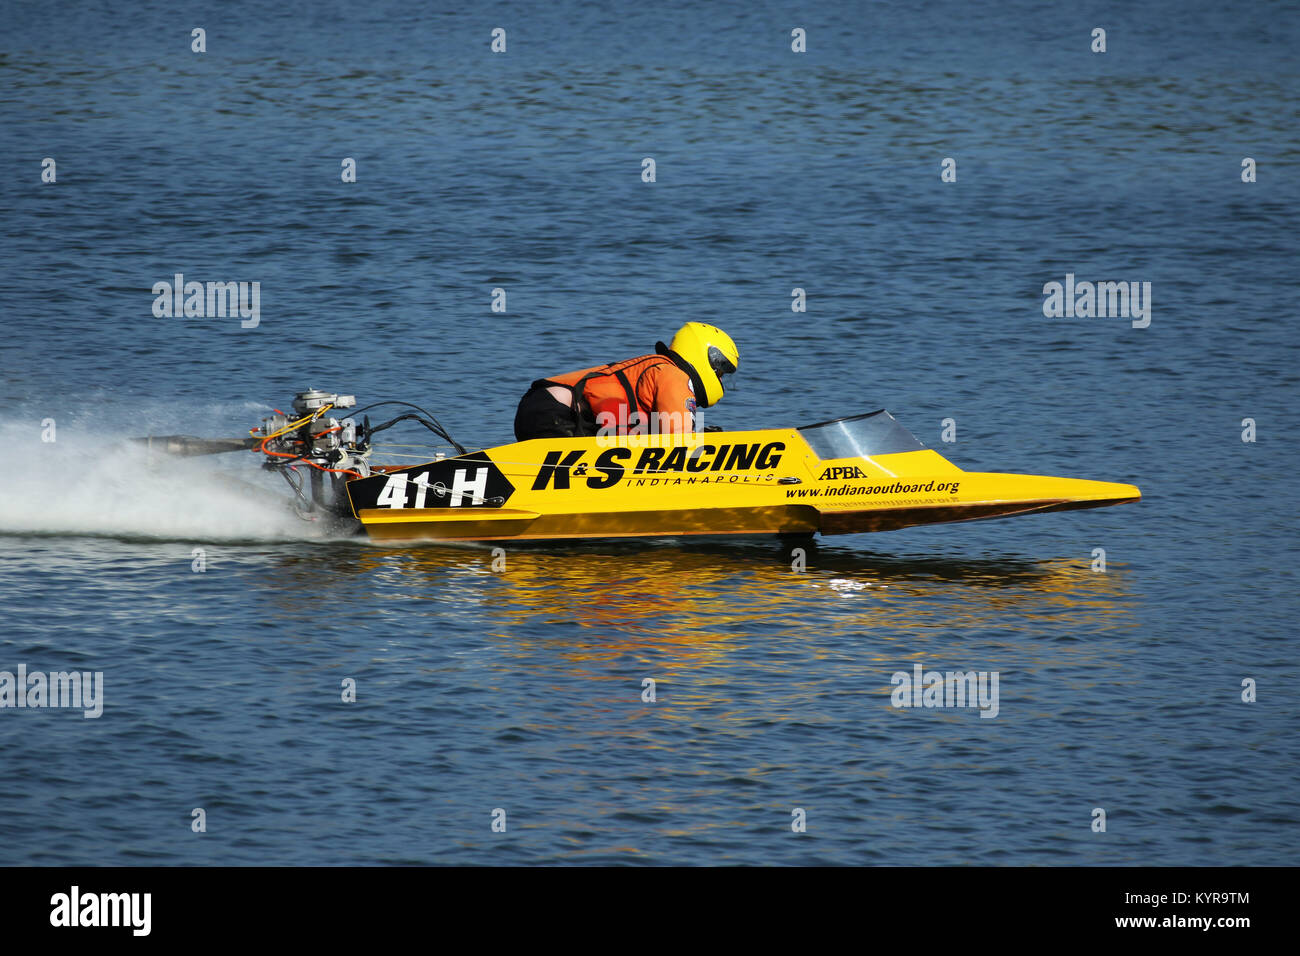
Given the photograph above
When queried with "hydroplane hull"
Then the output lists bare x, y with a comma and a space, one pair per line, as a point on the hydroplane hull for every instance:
851, 475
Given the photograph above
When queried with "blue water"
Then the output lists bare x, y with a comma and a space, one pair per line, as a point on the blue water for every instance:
520, 689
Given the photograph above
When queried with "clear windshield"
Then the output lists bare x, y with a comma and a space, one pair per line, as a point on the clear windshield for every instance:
875, 433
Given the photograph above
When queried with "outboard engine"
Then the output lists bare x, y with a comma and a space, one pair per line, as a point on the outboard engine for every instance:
327, 450
317, 454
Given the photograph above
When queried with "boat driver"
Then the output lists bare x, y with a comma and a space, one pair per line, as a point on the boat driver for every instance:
650, 394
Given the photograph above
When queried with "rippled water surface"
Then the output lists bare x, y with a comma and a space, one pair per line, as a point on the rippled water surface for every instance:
521, 688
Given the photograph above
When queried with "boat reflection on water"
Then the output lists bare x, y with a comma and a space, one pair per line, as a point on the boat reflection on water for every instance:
711, 600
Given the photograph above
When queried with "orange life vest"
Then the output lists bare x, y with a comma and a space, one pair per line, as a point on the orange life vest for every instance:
628, 392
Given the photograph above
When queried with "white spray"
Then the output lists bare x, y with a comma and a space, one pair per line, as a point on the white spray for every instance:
79, 478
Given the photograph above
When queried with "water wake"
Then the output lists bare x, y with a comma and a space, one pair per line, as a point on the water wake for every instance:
96, 482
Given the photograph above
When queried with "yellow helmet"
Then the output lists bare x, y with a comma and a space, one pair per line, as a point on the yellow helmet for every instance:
711, 353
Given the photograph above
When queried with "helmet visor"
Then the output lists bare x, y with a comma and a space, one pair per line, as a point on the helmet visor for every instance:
720, 364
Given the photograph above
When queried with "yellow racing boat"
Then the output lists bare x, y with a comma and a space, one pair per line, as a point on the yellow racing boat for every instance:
851, 475
846, 476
